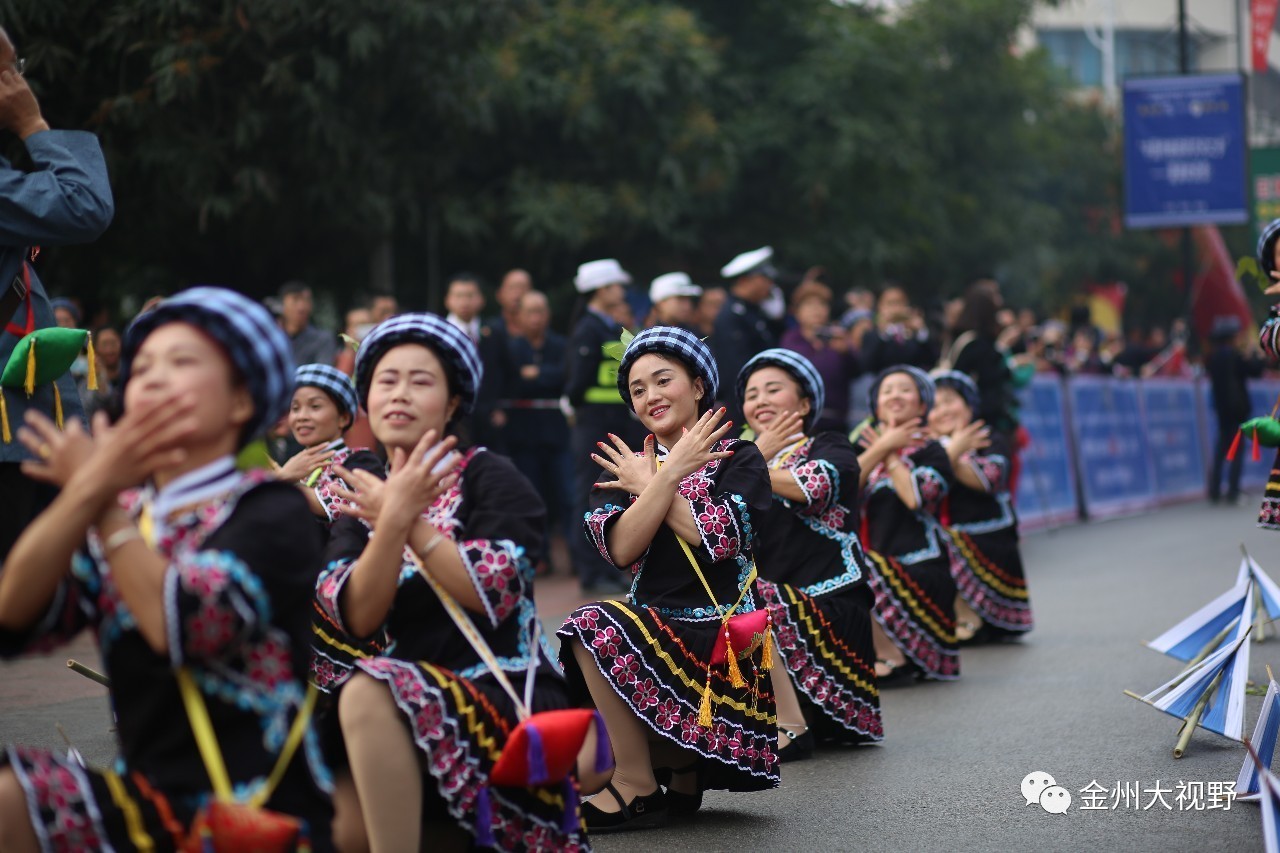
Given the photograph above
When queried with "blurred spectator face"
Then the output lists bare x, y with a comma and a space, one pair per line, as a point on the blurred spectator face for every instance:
64, 318
1082, 342
1005, 317
860, 299
107, 346
515, 284
675, 311
296, 309
813, 313
464, 300
623, 315
608, 298
358, 322
534, 314
1026, 319
383, 308
1157, 339
859, 330
753, 288
709, 305
951, 310
893, 305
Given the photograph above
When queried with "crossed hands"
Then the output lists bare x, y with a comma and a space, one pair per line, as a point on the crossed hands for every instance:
632, 472
417, 478
113, 458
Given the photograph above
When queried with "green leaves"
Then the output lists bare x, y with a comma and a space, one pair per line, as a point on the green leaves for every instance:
254, 140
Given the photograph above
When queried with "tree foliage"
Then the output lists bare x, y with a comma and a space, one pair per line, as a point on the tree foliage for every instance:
254, 140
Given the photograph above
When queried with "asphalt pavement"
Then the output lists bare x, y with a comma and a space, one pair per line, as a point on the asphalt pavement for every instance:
949, 772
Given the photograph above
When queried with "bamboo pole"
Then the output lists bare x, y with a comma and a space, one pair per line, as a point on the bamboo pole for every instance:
1193, 719
91, 674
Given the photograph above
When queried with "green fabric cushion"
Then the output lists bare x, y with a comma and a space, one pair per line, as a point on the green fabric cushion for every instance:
55, 348
1268, 430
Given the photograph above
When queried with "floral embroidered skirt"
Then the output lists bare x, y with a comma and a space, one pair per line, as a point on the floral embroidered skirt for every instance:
460, 725
659, 666
825, 643
987, 568
916, 606
1269, 513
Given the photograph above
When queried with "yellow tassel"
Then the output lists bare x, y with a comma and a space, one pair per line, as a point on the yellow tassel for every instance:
766, 649
4, 420
31, 369
93, 366
57, 405
704, 709
735, 674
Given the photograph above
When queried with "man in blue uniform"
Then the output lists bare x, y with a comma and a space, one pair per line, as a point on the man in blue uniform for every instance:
66, 199
742, 328
592, 388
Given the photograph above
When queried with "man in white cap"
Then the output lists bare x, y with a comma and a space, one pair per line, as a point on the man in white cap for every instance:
674, 298
742, 328
592, 388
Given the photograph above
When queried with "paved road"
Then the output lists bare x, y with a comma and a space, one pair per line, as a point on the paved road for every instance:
947, 776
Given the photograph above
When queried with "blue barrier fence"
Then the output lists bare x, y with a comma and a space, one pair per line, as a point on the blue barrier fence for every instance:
1106, 447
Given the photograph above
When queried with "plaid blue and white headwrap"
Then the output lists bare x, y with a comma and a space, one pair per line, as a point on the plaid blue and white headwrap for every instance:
333, 382
799, 367
671, 340
255, 343
959, 382
1267, 248
448, 341
923, 384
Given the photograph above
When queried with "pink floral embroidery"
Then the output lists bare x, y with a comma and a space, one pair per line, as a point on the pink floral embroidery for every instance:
645, 695
606, 641
625, 669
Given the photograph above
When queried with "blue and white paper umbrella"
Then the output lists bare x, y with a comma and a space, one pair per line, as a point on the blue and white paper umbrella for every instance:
1268, 797
1265, 734
1268, 591
1192, 637
1210, 694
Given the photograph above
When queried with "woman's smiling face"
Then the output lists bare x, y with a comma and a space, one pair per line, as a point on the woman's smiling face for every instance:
898, 400
663, 393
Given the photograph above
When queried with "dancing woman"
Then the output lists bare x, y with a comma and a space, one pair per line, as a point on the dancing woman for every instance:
323, 408
904, 478
196, 577
680, 517
813, 573
982, 526
423, 718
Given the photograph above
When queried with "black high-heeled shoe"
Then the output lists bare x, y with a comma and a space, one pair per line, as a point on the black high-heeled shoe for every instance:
680, 803
899, 674
799, 747
647, 812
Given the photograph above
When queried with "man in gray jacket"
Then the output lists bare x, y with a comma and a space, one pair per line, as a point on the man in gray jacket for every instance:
66, 199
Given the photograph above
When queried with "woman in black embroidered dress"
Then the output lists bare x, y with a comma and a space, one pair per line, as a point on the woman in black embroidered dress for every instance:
178, 562
420, 712
323, 408
905, 476
813, 573
992, 602
645, 662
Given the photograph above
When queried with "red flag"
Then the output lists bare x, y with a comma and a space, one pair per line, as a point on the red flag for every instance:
1262, 18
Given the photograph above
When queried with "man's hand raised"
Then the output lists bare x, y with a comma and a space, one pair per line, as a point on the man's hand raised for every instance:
19, 110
